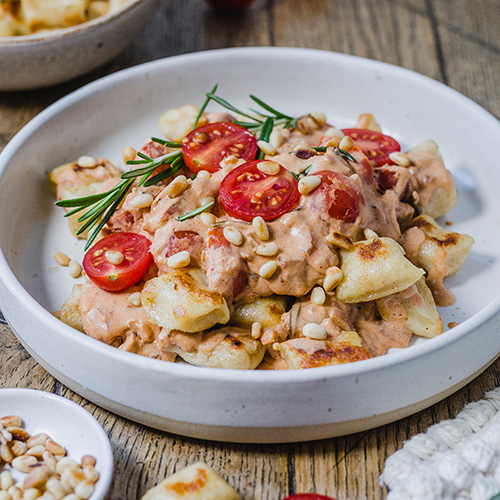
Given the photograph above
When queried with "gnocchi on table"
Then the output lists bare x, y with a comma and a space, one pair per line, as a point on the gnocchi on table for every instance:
261, 241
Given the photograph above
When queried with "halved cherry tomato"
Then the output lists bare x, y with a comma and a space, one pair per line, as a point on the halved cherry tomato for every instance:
375, 145
337, 195
308, 496
205, 147
246, 192
118, 277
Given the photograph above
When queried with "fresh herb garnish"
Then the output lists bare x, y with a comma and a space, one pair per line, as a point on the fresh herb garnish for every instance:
265, 133
194, 213
344, 153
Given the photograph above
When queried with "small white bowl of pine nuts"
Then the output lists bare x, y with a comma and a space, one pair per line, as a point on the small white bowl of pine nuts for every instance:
51, 449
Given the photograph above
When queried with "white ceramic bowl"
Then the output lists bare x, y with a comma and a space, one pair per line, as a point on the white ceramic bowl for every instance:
48, 58
255, 406
67, 423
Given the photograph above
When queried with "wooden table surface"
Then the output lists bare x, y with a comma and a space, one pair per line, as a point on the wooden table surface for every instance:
454, 41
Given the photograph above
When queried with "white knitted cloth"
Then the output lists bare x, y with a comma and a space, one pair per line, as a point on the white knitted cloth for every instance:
456, 459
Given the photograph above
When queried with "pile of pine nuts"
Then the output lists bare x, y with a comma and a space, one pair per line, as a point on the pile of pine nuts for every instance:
50, 474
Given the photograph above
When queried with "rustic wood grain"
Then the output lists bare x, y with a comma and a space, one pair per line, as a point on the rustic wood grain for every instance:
453, 41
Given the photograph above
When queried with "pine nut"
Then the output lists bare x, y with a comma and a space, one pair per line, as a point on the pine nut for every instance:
128, 154
276, 139
6, 480
370, 234
177, 186
206, 199
114, 257
179, 260
53, 486
37, 440
64, 463
256, 330
18, 434
88, 460
332, 278
333, 142
269, 167
5, 495
203, 174
49, 459
11, 421
62, 259
233, 236
400, 159
38, 476
72, 475
144, 200
309, 184
54, 448
91, 473
71, 496
134, 299
84, 489
267, 249
266, 148
318, 296
15, 493
334, 132
47, 496
339, 240
6, 453
346, 143
260, 227
36, 451
75, 269
5, 436
319, 118
268, 269
31, 494
314, 331
22, 464
87, 162
207, 219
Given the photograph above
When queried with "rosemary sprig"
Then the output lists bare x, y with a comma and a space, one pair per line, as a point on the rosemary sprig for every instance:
345, 154
194, 213
265, 133
203, 106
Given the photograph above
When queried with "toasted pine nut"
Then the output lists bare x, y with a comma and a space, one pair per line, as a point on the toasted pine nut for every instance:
334, 132
370, 234
266, 148
64, 463
31, 494
233, 236
22, 463
203, 174
333, 142
75, 269
144, 200
87, 162
5, 495
260, 227
91, 473
11, 421
62, 259
314, 331
6, 453
367, 122
53, 486
319, 118
72, 475
276, 139
114, 257
6, 480
5, 436
339, 240
36, 451
400, 159
269, 167
88, 460
267, 249
37, 476
50, 459
71, 496
309, 183
206, 199
134, 299
128, 154
18, 447
332, 278
346, 143
179, 260
84, 489
54, 448
318, 296
207, 219
256, 330
19, 434
177, 186
15, 493
268, 269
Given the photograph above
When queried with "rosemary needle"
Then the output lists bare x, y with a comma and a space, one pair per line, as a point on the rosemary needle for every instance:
194, 213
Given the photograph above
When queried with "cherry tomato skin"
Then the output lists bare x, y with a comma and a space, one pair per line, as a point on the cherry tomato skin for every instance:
246, 192
205, 147
308, 496
375, 145
337, 195
118, 277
